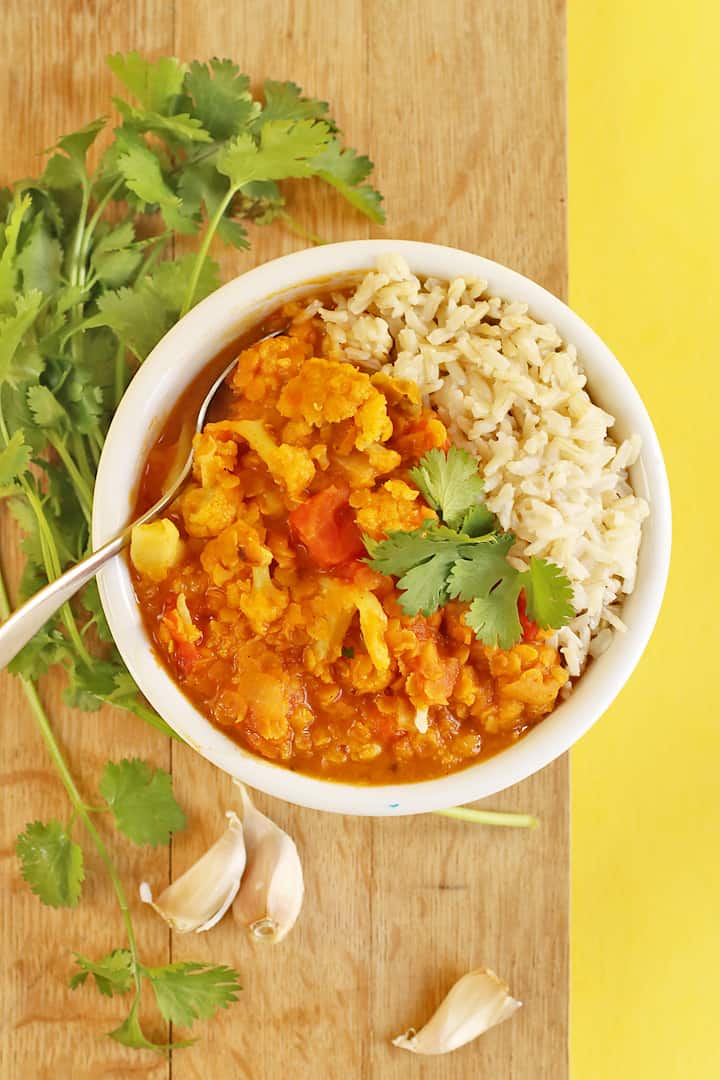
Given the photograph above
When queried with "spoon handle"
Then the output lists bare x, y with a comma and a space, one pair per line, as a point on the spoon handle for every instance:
24, 623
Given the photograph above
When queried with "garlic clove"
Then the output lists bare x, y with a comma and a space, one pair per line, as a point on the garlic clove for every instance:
199, 898
271, 895
477, 1002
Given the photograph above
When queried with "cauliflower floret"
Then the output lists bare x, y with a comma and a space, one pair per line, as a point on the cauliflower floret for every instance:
290, 466
263, 368
155, 548
394, 506
363, 469
372, 422
373, 624
213, 459
333, 610
265, 603
206, 511
232, 551
330, 613
185, 627
329, 391
382, 459
267, 692
325, 391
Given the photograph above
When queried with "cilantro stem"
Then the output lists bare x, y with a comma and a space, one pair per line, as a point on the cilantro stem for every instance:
51, 557
82, 488
81, 457
76, 252
490, 817
53, 569
74, 795
295, 227
152, 718
97, 214
95, 442
120, 373
154, 256
205, 247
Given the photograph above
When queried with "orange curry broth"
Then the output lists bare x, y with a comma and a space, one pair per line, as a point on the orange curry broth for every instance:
267, 617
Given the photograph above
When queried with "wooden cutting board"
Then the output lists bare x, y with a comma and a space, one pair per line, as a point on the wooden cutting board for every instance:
461, 104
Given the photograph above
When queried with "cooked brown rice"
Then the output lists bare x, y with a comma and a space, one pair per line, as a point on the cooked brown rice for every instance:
513, 393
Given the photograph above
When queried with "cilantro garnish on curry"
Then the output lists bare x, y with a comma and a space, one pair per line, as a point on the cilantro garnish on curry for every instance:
330, 589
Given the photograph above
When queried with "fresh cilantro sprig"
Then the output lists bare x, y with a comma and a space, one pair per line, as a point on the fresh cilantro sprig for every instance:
467, 558
51, 863
450, 483
141, 801
84, 297
144, 808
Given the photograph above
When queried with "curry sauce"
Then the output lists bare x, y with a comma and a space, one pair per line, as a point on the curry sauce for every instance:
257, 597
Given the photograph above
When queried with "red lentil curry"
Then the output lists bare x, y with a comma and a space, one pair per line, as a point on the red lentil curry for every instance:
257, 597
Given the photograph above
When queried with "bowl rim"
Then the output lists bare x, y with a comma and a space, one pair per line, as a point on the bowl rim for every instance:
160, 381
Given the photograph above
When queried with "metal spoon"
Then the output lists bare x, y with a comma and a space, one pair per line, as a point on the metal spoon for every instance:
24, 623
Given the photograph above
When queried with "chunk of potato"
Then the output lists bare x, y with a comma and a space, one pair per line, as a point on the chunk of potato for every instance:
155, 548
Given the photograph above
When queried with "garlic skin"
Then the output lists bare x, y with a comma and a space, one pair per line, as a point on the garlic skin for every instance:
199, 898
271, 893
477, 1002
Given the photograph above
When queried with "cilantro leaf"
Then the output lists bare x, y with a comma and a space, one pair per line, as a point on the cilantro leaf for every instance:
220, 96
483, 567
113, 974
45, 408
449, 482
401, 551
154, 83
14, 459
141, 171
130, 1033
115, 257
77, 144
116, 268
13, 328
345, 170
479, 521
114, 239
494, 617
285, 151
61, 173
40, 260
91, 602
487, 579
51, 863
424, 588
180, 127
422, 560
142, 801
46, 648
548, 594
284, 101
187, 991
169, 280
9, 235
135, 316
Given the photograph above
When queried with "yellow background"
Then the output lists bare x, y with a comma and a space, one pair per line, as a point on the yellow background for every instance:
644, 256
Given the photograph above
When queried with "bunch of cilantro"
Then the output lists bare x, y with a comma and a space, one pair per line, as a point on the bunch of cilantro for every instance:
464, 556
86, 291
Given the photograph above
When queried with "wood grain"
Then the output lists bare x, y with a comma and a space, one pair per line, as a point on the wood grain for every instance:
462, 106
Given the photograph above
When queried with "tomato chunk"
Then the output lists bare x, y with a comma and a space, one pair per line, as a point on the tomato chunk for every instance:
184, 652
186, 656
325, 525
530, 629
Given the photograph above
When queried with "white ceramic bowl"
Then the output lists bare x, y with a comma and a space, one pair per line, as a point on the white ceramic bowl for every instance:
185, 351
